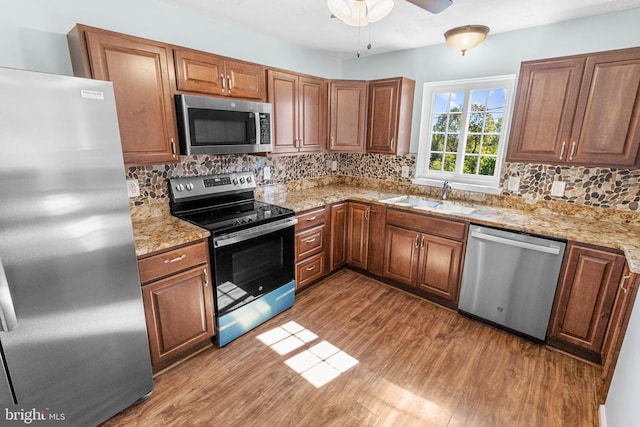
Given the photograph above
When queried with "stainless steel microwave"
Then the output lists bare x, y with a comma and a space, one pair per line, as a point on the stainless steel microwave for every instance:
208, 125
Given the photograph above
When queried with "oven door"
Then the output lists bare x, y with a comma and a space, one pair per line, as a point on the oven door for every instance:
252, 263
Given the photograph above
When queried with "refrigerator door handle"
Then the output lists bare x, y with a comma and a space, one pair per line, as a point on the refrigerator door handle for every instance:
8, 319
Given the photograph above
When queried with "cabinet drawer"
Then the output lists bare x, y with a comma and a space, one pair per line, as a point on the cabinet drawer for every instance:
309, 270
309, 242
427, 224
311, 219
172, 261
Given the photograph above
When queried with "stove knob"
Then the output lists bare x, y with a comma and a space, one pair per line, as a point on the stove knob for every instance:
189, 186
235, 181
248, 179
242, 180
179, 187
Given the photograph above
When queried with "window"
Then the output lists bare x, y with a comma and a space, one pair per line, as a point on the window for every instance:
463, 134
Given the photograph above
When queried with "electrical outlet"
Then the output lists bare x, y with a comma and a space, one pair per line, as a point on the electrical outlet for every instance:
266, 172
514, 183
133, 189
405, 171
334, 165
557, 188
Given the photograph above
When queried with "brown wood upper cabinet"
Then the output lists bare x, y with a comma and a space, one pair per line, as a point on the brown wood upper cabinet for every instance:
142, 74
585, 299
389, 116
300, 112
582, 109
210, 74
347, 115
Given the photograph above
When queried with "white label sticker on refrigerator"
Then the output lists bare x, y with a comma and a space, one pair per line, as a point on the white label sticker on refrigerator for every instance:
92, 94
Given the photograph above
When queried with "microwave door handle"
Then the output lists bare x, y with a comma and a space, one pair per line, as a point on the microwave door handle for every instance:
258, 133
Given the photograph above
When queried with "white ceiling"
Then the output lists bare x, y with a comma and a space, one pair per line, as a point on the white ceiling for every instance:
308, 23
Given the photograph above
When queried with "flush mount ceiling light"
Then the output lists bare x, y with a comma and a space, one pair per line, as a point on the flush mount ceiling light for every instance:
466, 37
359, 13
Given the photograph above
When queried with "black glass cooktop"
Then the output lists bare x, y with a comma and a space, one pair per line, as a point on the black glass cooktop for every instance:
237, 216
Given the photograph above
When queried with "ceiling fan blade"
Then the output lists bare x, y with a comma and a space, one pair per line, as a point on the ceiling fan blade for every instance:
433, 6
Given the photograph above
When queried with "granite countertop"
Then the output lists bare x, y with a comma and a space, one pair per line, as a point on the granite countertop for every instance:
577, 226
155, 229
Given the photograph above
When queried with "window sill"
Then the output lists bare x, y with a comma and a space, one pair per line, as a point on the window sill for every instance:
458, 185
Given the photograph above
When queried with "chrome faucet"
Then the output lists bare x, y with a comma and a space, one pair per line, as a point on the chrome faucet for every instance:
445, 189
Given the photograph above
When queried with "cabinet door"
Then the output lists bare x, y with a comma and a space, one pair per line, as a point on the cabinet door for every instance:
312, 114
383, 116
544, 110
245, 80
141, 73
283, 95
585, 297
348, 113
377, 223
606, 130
338, 254
179, 313
358, 234
199, 72
439, 267
400, 255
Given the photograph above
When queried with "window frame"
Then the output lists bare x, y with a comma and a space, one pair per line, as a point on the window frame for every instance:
458, 180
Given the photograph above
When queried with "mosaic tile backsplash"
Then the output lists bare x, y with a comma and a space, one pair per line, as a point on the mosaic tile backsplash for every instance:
594, 187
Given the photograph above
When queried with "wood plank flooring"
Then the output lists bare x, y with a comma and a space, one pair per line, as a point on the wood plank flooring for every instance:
418, 365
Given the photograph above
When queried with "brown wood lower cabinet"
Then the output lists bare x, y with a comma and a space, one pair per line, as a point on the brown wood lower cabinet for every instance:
178, 302
358, 234
584, 300
422, 260
311, 246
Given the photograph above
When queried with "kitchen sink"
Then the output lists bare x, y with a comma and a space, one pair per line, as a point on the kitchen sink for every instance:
429, 205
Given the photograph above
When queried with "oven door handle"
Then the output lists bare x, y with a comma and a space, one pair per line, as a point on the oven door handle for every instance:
250, 233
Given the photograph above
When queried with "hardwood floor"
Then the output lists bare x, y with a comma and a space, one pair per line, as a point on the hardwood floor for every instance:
418, 365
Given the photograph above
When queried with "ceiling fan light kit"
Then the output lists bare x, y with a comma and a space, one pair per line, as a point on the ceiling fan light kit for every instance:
466, 37
359, 13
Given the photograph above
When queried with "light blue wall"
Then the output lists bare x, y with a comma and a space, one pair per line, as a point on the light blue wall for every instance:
622, 402
499, 54
33, 34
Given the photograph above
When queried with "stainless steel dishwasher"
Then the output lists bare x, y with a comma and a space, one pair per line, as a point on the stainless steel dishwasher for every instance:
509, 279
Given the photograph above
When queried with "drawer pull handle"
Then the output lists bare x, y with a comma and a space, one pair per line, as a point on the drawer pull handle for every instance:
313, 267
206, 277
312, 218
180, 258
311, 240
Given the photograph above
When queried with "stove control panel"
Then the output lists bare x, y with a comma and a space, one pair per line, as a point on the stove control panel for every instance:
211, 184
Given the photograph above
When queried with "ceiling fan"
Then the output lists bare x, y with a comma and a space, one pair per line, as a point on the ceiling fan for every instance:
433, 6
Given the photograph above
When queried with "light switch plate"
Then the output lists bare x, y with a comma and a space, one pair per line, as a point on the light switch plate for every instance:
514, 183
133, 189
266, 172
557, 188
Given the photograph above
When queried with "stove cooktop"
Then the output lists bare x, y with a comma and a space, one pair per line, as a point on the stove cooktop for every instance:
222, 203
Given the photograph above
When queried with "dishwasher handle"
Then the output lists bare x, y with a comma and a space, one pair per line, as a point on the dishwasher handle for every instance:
489, 237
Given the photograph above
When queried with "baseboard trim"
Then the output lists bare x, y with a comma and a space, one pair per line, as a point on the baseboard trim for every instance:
602, 417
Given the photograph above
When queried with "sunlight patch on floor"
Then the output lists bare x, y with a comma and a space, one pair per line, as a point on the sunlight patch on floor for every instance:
318, 364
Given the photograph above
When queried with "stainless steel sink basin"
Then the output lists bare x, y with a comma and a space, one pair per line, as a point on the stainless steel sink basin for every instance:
429, 205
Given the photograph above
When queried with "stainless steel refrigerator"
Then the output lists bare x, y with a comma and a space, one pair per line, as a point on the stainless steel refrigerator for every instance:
73, 338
